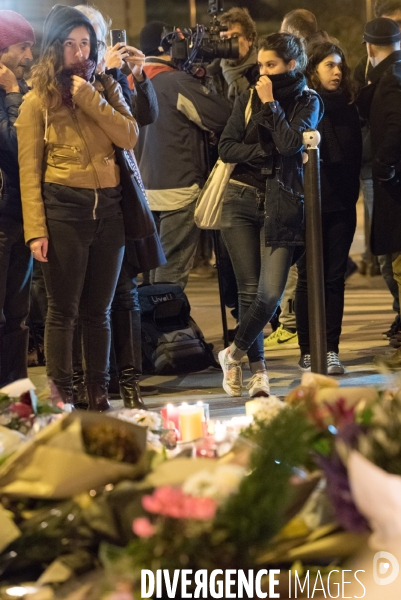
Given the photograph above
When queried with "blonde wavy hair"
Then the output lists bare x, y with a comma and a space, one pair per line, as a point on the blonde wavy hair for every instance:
44, 76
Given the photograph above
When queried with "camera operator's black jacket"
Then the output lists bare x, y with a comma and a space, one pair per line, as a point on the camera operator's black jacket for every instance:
380, 103
280, 145
10, 199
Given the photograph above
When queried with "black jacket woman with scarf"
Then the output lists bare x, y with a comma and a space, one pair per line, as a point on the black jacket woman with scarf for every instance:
341, 154
263, 214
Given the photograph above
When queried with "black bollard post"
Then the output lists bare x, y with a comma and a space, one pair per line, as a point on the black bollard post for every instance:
314, 256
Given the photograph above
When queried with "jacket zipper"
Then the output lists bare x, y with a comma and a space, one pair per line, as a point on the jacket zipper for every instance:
97, 182
71, 158
95, 205
107, 158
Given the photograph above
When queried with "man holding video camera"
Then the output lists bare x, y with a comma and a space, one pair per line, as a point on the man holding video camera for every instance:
172, 151
231, 77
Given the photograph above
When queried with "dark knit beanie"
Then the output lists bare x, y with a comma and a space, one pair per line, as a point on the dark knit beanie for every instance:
14, 29
150, 38
381, 32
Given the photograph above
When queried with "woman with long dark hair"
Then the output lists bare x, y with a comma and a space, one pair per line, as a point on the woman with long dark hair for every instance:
71, 195
263, 212
341, 155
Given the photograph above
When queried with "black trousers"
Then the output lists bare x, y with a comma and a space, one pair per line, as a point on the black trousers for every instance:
338, 233
15, 281
81, 276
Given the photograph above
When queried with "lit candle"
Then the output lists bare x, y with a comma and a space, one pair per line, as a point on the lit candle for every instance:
204, 410
190, 423
220, 431
171, 416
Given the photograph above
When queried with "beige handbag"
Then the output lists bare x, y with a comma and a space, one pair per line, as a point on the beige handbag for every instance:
210, 200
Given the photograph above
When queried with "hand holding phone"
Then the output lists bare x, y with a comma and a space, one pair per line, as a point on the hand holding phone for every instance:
118, 36
115, 56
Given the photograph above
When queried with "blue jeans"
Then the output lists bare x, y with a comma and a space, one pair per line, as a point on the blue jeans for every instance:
261, 271
179, 237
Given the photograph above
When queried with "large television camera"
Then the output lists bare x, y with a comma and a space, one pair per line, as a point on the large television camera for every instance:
192, 47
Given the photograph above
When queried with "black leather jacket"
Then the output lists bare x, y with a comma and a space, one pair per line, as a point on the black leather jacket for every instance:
10, 200
280, 148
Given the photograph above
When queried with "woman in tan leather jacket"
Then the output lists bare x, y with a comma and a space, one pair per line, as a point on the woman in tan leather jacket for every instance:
71, 195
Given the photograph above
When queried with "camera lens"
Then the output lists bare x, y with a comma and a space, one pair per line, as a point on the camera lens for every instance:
227, 48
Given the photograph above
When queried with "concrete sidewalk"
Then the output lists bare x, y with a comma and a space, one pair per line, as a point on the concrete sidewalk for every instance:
368, 313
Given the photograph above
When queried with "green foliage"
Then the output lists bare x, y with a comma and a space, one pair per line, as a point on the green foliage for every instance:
381, 442
257, 512
248, 521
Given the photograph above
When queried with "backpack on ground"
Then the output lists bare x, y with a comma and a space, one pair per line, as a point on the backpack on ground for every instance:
172, 342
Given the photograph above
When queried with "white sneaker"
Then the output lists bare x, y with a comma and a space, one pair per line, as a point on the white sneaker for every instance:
259, 385
232, 371
334, 367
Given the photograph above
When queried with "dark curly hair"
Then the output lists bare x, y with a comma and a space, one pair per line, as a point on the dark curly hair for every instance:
240, 16
287, 46
319, 52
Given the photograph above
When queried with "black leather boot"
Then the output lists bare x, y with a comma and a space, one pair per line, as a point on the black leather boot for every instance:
79, 392
65, 393
98, 397
129, 389
128, 351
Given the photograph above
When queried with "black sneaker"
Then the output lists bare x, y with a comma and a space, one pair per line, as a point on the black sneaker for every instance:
305, 363
334, 367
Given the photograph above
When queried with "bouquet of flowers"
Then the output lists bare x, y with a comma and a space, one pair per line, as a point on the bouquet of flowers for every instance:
23, 410
225, 514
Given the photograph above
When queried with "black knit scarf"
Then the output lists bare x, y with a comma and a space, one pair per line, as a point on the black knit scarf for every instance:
286, 87
333, 101
84, 69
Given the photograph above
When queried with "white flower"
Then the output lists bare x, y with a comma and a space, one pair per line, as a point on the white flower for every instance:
217, 484
144, 418
153, 442
269, 408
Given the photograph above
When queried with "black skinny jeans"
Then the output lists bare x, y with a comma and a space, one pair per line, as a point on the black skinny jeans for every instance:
81, 276
338, 232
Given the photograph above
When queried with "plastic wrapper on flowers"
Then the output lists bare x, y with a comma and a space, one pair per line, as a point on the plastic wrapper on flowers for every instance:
81, 452
223, 515
24, 412
70, 531
42, 531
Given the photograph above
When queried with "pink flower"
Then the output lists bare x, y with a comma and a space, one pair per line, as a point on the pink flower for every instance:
143, 528
340, 412
21, 409
172, 502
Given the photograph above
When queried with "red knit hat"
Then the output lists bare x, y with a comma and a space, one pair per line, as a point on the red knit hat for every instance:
14, 29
